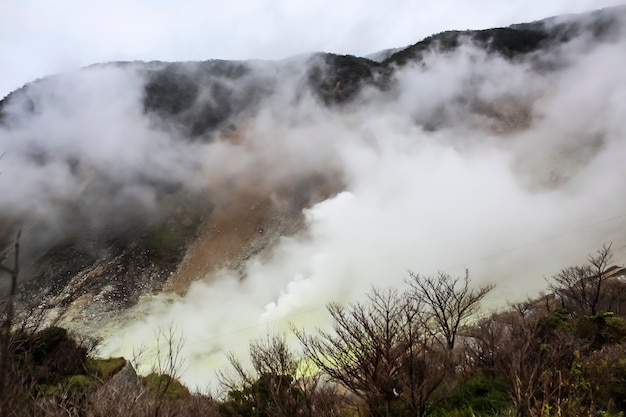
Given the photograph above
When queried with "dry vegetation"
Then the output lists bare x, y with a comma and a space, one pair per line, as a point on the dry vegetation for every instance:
416, 351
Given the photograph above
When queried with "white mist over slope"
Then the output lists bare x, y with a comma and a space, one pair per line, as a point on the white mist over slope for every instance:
93, 117
513, 204
470, 161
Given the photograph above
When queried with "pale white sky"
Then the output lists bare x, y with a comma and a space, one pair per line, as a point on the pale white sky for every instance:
42, 37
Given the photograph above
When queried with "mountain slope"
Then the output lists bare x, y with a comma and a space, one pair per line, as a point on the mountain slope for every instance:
293, 180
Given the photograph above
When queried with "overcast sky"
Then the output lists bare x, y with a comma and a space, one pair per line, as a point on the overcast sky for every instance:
42, 37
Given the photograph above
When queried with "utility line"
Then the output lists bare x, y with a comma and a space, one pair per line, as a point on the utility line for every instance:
315, 309
490, 256
548, 238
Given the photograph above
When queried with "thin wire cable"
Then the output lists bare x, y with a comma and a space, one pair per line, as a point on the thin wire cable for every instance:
318, 308
490, 256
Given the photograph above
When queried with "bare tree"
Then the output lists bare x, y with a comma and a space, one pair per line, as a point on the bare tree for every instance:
508, 347
424, 363
450, 302
266, 387
536, 357
519, 359
579, 288
278, 383
167, 364
8, 322
380, 351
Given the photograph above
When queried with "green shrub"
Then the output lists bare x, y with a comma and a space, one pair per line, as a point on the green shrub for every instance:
104, 368
49, 356
601, 329
477, 396
170, 388
79, 384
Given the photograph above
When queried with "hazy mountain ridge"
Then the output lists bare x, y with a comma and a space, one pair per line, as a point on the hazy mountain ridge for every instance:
174, 88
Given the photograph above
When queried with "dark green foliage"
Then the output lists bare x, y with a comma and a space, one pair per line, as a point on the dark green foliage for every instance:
509, 42
617, 389
513, 41
337, 79
50, 355
601, 329
170, 92
200, 97
558, 321
476, 396
47, 365
79, 384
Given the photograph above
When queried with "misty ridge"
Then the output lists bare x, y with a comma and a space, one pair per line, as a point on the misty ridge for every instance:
223, 195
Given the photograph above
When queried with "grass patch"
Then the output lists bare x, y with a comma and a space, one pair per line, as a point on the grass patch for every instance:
165, 385
104, 368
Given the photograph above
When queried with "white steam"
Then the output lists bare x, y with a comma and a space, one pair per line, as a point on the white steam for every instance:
470, 161
513, 207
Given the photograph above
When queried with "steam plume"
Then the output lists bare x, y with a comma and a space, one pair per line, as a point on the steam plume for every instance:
512, 168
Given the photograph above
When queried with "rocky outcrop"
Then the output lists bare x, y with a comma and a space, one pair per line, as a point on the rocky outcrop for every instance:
125, 381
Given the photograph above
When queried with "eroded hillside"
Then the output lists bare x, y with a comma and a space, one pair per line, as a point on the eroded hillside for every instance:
300, 179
